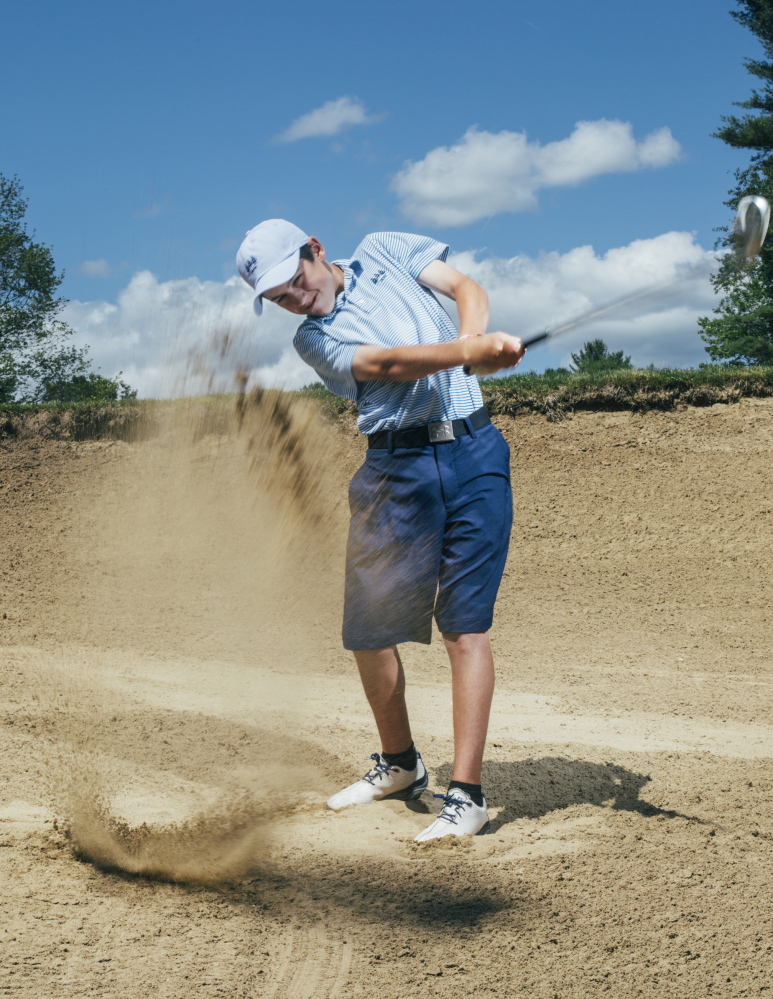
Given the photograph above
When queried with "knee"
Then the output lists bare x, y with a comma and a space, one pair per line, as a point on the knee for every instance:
466, 640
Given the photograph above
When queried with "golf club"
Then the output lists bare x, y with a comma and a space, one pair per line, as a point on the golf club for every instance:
747, 236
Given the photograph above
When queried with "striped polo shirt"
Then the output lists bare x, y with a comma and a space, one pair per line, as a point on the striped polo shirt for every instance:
383, 305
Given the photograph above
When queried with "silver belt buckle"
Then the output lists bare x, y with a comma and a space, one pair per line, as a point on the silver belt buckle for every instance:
442, 430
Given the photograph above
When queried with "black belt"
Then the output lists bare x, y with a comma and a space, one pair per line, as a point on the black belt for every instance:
431, 433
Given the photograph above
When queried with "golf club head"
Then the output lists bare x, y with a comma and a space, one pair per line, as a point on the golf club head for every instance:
750, 226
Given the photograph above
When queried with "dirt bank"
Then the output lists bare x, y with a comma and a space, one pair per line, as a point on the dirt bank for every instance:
169, 634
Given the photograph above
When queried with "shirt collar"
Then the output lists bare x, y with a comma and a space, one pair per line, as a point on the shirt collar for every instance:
352, 270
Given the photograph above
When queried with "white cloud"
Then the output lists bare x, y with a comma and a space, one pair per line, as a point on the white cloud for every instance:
95, 268
100, 268
330, 119
486, 173
160, 334
166, 337
529, 294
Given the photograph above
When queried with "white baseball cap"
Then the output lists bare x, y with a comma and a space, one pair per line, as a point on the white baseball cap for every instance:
269, 256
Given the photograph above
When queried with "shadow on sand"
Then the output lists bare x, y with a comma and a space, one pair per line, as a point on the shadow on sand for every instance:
532, 788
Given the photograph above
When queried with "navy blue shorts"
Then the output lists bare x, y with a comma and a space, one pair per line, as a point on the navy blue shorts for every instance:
429, 533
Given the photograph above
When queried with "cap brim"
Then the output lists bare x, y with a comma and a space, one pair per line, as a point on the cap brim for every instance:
278, 274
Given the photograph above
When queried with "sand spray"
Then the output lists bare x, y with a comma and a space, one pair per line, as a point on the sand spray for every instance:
217, 543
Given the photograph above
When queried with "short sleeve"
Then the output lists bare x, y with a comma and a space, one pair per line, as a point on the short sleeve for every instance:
412, 253
330, 358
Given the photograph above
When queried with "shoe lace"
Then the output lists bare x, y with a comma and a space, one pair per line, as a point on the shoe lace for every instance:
452, 807
381, 769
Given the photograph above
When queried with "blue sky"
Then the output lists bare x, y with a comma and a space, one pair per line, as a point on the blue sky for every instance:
146, 136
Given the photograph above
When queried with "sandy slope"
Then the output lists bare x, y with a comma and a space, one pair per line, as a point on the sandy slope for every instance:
168, 628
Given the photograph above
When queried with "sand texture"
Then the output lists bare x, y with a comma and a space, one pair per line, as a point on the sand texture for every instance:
175, 709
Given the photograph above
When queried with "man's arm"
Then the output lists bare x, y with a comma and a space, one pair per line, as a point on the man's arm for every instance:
471, 299
487, 353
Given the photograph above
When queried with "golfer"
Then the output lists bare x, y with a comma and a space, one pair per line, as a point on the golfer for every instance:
431, 507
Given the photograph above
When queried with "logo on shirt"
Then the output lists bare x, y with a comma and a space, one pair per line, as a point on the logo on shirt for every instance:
378, 276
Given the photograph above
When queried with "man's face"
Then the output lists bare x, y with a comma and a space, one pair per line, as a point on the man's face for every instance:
313, 288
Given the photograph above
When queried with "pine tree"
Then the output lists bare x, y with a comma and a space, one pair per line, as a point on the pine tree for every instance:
742, 331
595, 358
754, 131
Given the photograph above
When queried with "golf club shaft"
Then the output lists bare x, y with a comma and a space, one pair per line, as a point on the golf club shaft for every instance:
536, 338
652, 294
619, 304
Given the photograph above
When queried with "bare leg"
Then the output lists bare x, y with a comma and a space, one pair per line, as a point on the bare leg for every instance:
383, 680
472, 679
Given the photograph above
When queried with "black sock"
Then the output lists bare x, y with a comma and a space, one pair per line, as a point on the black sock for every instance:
405, 760
473, 790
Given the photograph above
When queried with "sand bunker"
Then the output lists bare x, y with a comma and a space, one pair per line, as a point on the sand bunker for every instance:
175, 696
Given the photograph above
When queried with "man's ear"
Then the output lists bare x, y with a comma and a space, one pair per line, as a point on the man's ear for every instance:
317, 248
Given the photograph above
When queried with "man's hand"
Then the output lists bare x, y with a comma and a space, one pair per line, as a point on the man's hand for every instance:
491, 352
485, 353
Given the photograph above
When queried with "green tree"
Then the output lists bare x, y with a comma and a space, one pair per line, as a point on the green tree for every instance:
36, 361
742, 331
64, 376
754, 131
595, 359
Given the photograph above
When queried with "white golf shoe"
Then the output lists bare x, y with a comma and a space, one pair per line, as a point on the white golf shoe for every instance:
459, 816
382, 782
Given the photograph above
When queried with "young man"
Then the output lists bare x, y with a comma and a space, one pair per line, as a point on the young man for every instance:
431, 507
